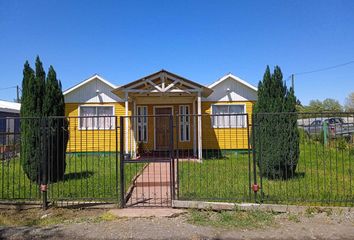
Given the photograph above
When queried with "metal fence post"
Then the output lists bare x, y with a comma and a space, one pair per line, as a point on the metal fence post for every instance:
172, 167
44, 168
255, 185
121, 151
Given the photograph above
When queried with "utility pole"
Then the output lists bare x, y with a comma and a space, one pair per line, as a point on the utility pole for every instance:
18, 93
292, 81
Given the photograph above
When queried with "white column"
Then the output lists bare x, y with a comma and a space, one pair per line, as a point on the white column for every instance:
199, 126
126, 128
194, 130
134, 129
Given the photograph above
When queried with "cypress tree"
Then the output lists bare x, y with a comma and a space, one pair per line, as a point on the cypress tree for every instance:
276, 133
30, 145
54, 110
39, 90
44, 136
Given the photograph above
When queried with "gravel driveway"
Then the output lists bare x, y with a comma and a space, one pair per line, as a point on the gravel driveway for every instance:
318, 226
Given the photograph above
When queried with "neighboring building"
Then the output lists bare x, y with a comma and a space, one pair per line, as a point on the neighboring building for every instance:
161, 93
9, 122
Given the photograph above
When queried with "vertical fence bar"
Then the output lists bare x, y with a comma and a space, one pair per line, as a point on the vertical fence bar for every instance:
172, 162
117, 162
121, 151
249, 157
254, 156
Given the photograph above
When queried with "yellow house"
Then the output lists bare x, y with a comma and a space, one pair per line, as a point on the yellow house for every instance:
202, 117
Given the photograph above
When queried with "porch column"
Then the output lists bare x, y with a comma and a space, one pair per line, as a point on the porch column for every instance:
134, 129
194, 130
199, 126
126, 129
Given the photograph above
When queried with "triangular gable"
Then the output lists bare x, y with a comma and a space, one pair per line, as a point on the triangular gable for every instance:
231, 76
162, 82
231, 88
92, 90
94, 77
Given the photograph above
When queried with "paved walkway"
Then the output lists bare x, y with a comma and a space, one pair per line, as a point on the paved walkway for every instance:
152, 187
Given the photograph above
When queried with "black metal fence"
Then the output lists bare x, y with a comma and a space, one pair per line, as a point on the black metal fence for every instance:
87, 145
151, 160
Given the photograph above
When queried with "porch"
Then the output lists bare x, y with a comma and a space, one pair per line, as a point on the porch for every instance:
165, 110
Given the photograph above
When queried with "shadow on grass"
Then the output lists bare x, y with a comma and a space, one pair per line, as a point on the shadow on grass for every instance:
78, 175
296, 175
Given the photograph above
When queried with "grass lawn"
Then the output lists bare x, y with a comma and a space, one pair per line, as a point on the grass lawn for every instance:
323, 176
87, 177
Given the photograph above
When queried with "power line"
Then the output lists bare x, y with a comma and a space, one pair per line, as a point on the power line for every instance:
325, 68
8, 88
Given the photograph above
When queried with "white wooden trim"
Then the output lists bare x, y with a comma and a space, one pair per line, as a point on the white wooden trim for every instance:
179, 125
156, 91
134, 128
154, 108
200, 146
96, 105
126, 106
234, 78
194, 130
171, 85
147, 123
94, 77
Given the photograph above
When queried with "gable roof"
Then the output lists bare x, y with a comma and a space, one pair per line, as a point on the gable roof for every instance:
13, 107
237, 79
205, 90
94, 77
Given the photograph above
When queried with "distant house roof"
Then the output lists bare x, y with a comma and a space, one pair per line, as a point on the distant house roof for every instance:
94, 77
237, 79
12, 107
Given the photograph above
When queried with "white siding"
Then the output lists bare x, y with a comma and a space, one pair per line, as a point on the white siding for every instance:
237, 92
87, 93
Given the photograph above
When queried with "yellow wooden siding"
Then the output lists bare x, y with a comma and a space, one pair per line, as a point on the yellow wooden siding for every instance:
224, 138
81, 140
105, 140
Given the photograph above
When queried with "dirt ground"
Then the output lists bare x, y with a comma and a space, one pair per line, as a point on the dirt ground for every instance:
99, 224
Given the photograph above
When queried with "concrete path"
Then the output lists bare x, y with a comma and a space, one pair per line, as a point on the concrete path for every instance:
153, 187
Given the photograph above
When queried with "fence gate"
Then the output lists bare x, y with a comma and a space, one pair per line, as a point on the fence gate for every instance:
147, 167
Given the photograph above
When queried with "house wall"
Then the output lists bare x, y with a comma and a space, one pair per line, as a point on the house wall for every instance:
224, 138
81, 140
228, 91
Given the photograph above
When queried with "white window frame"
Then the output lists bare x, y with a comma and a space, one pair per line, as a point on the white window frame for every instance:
183, 123
97, 117
242, 125
143, 124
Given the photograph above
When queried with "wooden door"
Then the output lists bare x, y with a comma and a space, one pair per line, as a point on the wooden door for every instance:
162, 128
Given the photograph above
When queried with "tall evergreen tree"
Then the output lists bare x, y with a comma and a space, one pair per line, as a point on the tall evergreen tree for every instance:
39, 89
54, 110
30, 147
276, 133
44, 135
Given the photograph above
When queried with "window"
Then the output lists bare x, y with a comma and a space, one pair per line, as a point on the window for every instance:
184, 123
96, 117
228, 116
142, 123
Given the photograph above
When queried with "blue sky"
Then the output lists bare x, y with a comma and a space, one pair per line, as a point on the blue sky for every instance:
200, 40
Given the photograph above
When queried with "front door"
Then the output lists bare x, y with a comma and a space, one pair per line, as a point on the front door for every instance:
162, 128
